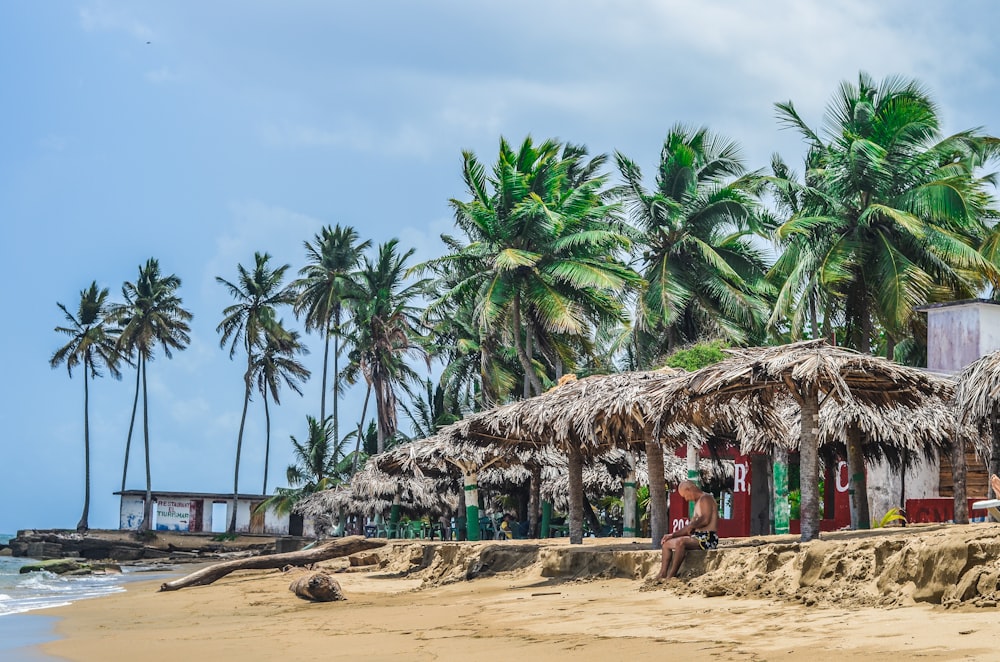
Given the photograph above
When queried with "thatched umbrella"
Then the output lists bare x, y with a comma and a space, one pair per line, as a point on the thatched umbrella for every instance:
978, 400
450, 453
583, 419
811, 372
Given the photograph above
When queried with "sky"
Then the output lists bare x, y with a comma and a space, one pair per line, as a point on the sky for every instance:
200, 133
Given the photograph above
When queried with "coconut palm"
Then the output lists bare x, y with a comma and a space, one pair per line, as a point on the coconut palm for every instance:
276, 364
152, 315
540, 262
258, 292
384, 329
320, 464
324, 285
93, 345
897, 212
694, 236
894, 218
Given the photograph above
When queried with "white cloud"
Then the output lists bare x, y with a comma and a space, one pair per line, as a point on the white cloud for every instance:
102, 18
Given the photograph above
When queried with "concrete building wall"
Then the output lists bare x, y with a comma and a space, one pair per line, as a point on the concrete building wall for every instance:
130, 514
275, 524
989, 329
884, 485
953, 338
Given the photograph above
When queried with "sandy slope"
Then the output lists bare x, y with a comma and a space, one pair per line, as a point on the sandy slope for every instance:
517, 613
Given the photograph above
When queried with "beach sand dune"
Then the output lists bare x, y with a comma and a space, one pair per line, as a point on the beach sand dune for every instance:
522, 612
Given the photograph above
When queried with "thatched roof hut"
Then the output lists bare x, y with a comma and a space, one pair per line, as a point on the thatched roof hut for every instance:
585, 418
978, 399
812, 373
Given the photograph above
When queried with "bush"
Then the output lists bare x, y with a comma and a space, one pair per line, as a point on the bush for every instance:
697, 356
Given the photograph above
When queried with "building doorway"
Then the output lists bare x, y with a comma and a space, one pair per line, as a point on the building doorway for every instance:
219, 520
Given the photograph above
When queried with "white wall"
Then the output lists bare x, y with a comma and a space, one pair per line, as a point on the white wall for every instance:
131, 513
884, 485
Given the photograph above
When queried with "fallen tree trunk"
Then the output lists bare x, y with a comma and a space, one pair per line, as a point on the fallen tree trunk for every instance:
324, 552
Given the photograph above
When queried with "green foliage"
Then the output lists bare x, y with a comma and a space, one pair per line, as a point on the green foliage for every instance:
225, 537
697, 356
894, 515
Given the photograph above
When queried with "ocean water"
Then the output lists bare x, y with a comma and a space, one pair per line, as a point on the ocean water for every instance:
40, 590
22, 626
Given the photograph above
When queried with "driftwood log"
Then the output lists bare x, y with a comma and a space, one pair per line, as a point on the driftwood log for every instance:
317, 587
323, 552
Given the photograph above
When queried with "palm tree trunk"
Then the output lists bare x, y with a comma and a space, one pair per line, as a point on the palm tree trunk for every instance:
267, 437
131, 425
534, 500
83, 524
575, 495
809, 464
658, 514
336, 380
326, 355
522, 356
361, 423
958, 471
629, 504
813, 320
858, 482
147, 509
239, 445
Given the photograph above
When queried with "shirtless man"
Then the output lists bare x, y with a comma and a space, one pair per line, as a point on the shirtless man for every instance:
700, 533
995, 484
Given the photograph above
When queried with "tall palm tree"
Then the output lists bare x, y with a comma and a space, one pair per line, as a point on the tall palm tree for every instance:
152, 315
274, 365
320, 464
540, 264
895, 216
258, 292
694, 236
899, 210
384, 329
93, 345
325, 283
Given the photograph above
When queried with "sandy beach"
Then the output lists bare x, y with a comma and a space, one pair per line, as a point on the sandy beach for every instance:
520, 613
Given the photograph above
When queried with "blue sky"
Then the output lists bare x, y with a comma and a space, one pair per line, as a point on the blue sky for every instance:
198, 133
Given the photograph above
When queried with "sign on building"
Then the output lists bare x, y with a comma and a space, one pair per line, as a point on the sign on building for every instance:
173, 515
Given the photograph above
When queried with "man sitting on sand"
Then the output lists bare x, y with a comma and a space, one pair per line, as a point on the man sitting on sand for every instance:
700, 533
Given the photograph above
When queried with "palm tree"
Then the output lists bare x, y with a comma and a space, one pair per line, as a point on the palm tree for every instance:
430, 411
540, 265
896, 215
705, 276
244, 326
275, 364
91, 344
324, 285
320, 464
898, 212
383, 331
151, 315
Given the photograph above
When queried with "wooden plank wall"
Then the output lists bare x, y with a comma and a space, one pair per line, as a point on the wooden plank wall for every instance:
976, 478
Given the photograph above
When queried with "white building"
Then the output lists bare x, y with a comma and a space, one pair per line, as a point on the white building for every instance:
207, 512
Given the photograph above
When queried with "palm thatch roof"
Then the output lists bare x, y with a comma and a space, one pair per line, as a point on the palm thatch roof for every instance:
922, 430
593, 414
326, 503
840, 373
978, 394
